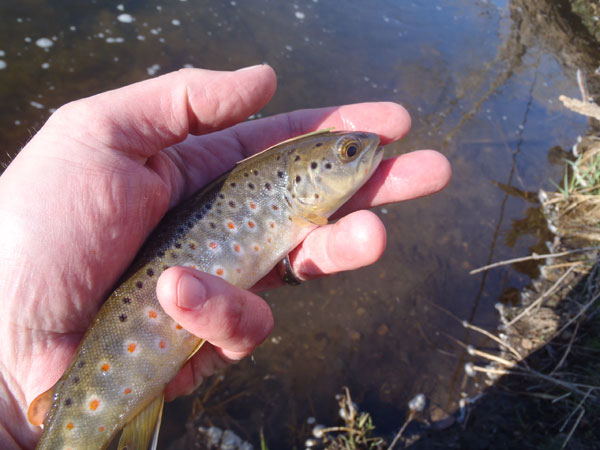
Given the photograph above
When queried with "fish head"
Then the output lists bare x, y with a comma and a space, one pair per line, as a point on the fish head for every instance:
332, 168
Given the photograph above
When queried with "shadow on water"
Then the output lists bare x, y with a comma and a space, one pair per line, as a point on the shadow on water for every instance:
481, 83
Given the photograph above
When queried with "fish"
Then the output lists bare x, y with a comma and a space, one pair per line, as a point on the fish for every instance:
237, 228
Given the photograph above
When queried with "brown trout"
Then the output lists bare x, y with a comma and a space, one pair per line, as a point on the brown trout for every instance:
238, 228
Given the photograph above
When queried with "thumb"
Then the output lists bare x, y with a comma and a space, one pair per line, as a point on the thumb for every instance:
233, 320
143, 118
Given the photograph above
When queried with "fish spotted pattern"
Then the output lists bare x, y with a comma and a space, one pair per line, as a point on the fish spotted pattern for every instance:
237, 228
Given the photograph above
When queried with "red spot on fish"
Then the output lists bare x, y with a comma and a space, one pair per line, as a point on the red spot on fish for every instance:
193, 246
275, 207
256, 248
179, 327
220, 272
236, 247
131, 347
152, 314
213, 245
272, 224
252, 205
70, 426
101, 429
238, 270
162, 344
105, 367
94, 404
231, 225
127, 391
269, 240
251, 224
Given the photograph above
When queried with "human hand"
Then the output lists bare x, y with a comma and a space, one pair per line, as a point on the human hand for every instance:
82, 196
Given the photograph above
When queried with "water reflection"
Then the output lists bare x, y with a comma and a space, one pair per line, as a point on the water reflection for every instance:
480, 86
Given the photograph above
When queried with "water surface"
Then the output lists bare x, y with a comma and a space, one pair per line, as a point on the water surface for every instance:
476, 92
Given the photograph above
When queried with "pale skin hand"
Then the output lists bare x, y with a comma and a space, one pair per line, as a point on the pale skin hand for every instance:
81, 197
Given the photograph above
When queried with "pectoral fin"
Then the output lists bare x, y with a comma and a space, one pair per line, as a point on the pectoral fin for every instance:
39, 407
310, 220
143, 429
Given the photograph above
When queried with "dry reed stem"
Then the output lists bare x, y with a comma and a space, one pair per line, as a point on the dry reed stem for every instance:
539, 300
534, 256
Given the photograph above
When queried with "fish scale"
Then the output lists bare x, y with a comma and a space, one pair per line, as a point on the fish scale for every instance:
236, 228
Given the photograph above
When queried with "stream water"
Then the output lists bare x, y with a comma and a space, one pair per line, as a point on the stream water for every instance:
476, 93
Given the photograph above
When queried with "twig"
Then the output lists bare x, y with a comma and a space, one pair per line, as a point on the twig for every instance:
573, 428
585, 108
495, 338
471, 368
538, 301
535, 256
575, 410
474, 352
579, 314
568, 350
399, 434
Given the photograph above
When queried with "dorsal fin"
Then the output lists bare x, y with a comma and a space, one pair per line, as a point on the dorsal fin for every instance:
302, 136
39, 407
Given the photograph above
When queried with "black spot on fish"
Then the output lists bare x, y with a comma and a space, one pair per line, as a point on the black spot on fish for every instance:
75, 380
81, 364
328, 165
218, 211
318, 144
298, 179
313, 165
280, 174
221, 196
150, 272
123, 317
316, 195
278, 157
232, 204
213, 225
219, 203
246, 174
251, 185
275, 207
127, 300
268, 186
68, 402
232, 185
255, 172
181, 230
296, 158
177, 245
208, 206
139, 284
190, 225
173, 255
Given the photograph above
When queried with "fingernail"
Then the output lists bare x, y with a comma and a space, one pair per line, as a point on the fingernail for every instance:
249, 67
191, 293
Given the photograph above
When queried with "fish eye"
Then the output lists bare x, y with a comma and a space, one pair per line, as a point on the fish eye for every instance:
349, 149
